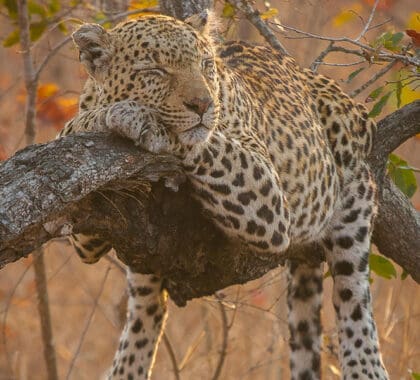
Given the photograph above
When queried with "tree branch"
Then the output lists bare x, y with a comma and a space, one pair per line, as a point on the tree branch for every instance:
50, 190
254, 18
184, 9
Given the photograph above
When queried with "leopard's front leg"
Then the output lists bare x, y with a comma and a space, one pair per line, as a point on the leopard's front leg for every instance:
129, 119
141, 125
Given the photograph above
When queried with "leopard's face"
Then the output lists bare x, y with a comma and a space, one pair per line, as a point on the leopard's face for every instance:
163, 64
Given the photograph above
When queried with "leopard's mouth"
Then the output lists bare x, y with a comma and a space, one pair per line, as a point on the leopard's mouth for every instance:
199, 125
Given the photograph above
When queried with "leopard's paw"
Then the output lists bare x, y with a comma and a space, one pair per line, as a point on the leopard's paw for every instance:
129, 119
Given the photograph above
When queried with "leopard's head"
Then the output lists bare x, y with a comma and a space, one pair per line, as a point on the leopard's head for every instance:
160, 62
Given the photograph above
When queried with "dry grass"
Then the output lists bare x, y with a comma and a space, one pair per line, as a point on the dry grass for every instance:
257, 347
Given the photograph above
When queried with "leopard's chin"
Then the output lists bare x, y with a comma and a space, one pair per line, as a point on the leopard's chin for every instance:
194, 135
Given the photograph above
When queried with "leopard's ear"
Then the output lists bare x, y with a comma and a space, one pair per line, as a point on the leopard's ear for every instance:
204, 22
95, 48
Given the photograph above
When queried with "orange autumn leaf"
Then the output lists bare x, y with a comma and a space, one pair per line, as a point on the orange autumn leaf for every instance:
346, 15
53, 108
47, 90
415, 37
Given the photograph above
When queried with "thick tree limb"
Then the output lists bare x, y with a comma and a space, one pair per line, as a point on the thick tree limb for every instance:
397, 228
103, 184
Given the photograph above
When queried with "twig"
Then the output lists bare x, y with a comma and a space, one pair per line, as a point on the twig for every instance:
172, 356
6, 312
369, 21
342, 64
378, 54
225, 338
342, 49
190, 350
318, 60
50, 55
29, 73
254, 18
116, 263
372, 80
379, 24
44, 314
31, 84
89, 320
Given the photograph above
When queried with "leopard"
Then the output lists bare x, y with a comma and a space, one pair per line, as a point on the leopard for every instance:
276, 155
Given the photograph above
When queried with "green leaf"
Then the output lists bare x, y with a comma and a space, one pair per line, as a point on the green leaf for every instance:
404, 275
402, 175
36, 29
354, 74
11, 6
54, 6
374, 94
377, 108
62, 27
388, 40
12, 38
415, 376
382, 266
35, 8
382, 40
396, 38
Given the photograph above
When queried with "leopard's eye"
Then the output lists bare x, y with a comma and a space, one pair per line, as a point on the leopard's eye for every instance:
154, 70
207, 65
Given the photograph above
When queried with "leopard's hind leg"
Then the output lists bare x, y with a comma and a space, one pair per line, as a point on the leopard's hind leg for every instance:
146, 316
347, 251
304, 299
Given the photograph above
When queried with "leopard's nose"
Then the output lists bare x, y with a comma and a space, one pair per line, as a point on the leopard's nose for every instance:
199, 105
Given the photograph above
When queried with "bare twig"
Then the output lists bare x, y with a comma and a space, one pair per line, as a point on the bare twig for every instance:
31, 84
379, 55
374, 78
6, 312
172, 356
116, 263
342, 49
369, 21
29, 72
255, 19
318, 60
191, 349
379, 24
225, 338
342, 64
88, 322
50, 55
44, 314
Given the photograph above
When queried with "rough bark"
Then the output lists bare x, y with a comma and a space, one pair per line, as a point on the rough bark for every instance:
102, 184
397, 227
184, 9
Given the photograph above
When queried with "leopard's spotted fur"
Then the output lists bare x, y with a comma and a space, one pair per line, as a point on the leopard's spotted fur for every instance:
276, 155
